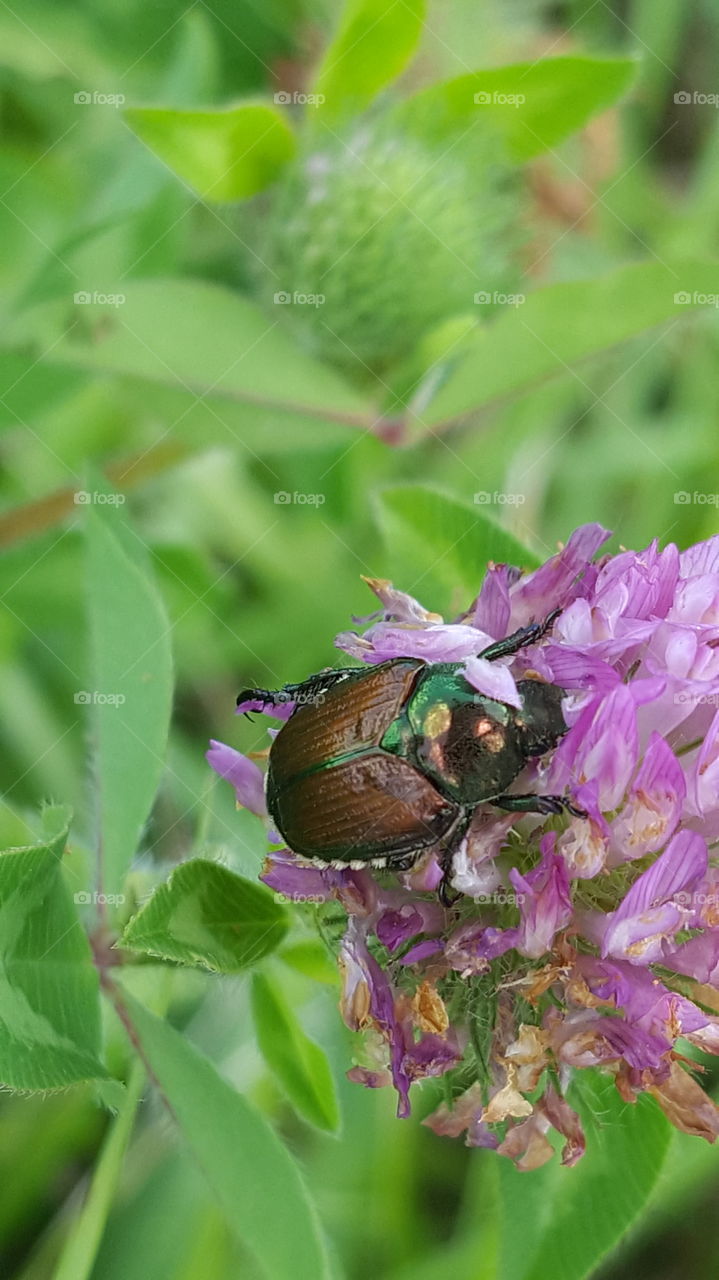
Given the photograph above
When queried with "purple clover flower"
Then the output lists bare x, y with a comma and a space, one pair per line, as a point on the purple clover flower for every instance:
597, 936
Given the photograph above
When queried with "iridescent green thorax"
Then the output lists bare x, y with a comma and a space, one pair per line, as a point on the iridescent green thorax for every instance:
471, 746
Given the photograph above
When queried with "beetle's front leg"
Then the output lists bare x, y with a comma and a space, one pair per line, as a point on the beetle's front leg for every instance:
537, 804
519, 639
305, 691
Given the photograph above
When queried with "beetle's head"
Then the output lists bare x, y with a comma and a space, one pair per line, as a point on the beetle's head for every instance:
543, 721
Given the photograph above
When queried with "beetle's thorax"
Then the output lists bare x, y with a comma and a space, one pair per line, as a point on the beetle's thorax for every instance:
468, 744
473, 747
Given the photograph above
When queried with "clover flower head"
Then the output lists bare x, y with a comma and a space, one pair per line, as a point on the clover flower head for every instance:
576, 941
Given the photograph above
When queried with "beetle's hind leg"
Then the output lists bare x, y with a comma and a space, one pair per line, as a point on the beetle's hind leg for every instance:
537, 804
519, 639
405, 863
447, 849
306, 691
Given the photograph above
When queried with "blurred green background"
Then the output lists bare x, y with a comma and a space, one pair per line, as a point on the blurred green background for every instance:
273, 451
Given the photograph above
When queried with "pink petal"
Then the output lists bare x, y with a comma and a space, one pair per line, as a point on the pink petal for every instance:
242, 773
647, 915
654, 804
493, 680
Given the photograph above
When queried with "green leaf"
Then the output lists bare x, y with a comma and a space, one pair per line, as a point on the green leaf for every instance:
29, 389
251, 1173
224, 155
49, 994
575, 1217
555, 1221
437, 543
131, 684
206, 915
300, 1066
202, 340
312, 958
558, 327
531, 106
374, 43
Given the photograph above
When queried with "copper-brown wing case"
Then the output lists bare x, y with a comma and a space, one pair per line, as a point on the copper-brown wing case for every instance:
355, 713
364, 807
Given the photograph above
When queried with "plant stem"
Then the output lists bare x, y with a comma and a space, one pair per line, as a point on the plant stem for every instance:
80, 1250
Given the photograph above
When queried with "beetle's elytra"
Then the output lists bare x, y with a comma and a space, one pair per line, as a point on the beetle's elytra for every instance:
376, 765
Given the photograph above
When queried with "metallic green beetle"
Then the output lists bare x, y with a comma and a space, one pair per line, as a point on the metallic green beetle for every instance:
378, 764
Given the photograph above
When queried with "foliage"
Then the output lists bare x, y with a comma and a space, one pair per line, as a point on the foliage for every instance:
294, 294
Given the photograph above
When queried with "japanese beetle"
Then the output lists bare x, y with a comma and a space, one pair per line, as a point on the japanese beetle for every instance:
378, 764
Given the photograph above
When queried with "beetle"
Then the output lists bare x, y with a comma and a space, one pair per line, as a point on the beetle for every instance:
376, 765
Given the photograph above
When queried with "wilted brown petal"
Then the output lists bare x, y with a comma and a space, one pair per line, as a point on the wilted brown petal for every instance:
428, 1009
528, 1053
371, 1079
540, 980
527, 1144
626, 1089
508, 1101
579, 993
451, 1122
355, 1000
683, 1100
566, 1121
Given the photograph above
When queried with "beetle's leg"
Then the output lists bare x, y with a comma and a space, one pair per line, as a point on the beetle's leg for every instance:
448, 847
519, 639
537, 804
403, 864
446, 894
319, 683
305, 691
269, 697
